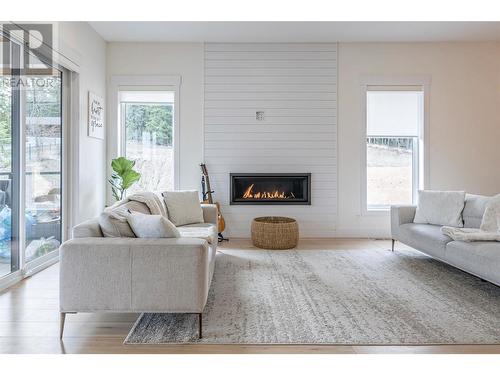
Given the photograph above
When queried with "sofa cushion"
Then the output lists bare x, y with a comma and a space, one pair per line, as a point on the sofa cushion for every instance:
113, 220
206, 231
440, 208
152, 226
424, 237
475, 206
479, 258
183, 207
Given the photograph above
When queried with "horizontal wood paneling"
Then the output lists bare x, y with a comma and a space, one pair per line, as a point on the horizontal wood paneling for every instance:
242, 160
270, 63
270, 47
271, 112
268, 104
269, 120
288, 96
295, 85
285, 154
270, 72
270, 80
271, 55
221, 144
300, 136
275, 88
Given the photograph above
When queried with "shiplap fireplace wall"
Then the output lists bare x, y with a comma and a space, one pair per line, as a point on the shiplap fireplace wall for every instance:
295, 86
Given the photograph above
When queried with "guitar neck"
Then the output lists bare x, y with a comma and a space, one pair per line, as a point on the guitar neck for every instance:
209, 190
206, 183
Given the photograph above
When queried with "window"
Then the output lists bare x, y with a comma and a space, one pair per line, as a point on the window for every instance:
394, 129
148, 130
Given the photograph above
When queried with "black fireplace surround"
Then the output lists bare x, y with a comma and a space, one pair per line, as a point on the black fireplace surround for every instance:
270, 188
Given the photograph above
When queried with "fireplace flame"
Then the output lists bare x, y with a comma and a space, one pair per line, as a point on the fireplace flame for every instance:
249, 194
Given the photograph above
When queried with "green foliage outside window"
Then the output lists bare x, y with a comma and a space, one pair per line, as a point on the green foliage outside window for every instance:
154, 119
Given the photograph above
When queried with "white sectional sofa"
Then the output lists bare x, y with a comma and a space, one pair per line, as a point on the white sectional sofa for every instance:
479, 258
165, 275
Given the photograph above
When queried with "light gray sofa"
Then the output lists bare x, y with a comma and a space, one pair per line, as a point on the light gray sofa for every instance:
167, 275
479, 258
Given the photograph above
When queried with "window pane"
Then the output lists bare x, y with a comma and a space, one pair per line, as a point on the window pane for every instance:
149, 141
389, 170
6, 175
43, 165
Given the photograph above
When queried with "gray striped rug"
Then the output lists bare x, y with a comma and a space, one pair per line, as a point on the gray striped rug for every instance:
353, 297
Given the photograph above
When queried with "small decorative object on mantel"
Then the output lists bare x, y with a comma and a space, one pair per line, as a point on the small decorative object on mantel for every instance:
96, 116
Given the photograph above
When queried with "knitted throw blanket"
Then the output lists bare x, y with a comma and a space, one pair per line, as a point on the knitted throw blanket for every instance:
151, 200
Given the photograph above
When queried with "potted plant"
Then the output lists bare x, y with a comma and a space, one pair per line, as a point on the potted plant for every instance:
123, 176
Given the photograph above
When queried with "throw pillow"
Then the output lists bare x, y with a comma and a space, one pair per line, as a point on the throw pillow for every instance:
113, 220
152, 226
183, 207
491, 217
440, 208
113, 226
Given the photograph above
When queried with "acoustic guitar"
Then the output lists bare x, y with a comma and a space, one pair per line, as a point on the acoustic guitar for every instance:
208, 198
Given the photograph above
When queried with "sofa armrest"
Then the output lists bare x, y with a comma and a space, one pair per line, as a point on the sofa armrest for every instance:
401, 215
88, 228
134, 274
210, 213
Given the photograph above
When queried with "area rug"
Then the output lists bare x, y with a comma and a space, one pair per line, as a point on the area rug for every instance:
353, 297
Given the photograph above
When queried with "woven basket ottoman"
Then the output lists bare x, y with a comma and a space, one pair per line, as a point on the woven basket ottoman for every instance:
275, 232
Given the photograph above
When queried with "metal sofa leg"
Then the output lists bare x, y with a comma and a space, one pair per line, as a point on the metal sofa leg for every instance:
200, 326
393, 241
62, 319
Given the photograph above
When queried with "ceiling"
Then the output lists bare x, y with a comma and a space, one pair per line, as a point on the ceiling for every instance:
169, 31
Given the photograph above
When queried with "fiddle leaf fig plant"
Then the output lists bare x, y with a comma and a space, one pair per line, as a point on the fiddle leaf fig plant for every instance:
123, 176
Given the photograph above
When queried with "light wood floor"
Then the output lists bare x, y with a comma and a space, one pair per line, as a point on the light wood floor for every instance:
29, 322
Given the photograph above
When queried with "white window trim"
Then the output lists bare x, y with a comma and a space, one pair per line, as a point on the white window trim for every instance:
115, 133
423, 81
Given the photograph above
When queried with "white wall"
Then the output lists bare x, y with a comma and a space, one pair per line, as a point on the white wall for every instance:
464, 118
80, 43
186, 60
295, 85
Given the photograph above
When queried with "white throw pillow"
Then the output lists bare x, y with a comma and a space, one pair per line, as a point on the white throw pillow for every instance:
440, 208
183, 207
113, 220
491, 217
152, 226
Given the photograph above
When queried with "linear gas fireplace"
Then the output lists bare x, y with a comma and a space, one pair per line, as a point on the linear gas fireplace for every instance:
270, 188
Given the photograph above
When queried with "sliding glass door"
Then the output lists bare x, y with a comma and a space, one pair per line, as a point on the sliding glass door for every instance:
31, 172
6, 175
9, 166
